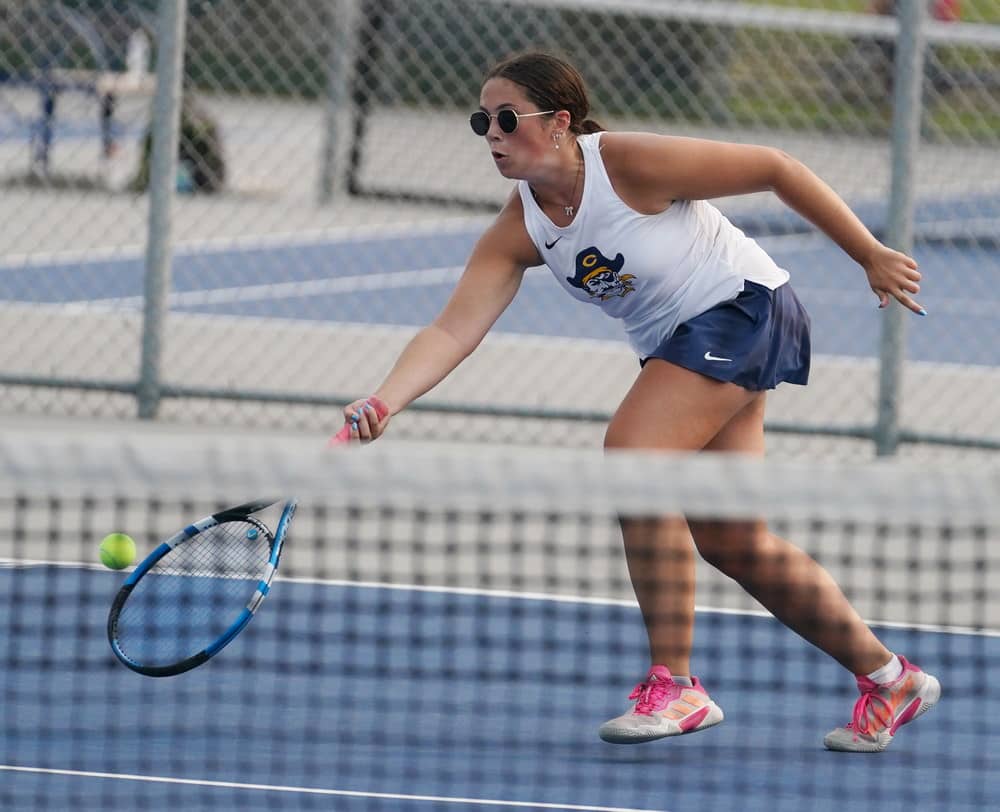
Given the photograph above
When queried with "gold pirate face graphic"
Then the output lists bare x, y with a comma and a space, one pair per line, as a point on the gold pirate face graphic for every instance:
599, 276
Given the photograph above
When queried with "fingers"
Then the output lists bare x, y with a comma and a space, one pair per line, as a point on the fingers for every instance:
902, 296
899, 283
909, 304
907, 287
364, 420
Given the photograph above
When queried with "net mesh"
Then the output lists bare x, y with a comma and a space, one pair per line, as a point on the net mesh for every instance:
450, 626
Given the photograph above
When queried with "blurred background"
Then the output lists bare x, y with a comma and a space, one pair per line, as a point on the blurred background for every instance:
220, 220
327, 191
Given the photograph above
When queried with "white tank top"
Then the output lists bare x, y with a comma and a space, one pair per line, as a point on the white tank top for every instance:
652, 271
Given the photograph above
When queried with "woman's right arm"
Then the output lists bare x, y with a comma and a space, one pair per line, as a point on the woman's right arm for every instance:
491, 278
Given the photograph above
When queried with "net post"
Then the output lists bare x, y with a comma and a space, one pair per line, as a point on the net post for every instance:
162, 186
908, 73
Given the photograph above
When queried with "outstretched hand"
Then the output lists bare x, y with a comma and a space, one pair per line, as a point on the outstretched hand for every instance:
893, 273
365, 419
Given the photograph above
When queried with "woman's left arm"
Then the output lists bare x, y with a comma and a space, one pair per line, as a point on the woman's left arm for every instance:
664, 168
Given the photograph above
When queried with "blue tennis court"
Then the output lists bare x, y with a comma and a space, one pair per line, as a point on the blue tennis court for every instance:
363, 697
404, 279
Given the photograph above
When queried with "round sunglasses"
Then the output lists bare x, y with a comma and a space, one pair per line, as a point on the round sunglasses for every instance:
507, 119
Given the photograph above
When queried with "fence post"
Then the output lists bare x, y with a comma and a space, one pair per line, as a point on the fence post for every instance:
162, 185
344, 20
907, 86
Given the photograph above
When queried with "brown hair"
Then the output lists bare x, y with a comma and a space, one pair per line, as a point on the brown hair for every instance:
551, 83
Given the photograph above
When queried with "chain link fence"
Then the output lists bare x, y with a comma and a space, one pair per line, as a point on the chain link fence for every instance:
326, 191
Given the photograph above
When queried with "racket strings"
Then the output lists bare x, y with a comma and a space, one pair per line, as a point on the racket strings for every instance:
194, 593
229, 550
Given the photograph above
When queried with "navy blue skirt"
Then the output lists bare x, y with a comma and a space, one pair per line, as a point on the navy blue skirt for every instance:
757, 340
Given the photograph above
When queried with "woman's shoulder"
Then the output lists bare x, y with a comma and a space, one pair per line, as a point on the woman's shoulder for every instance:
626, 154
508, 234
624, 145
637, 163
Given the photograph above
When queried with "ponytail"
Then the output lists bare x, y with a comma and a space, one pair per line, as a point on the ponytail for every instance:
588, 125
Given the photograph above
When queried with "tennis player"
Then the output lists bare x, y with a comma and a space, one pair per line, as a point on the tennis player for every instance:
621, 219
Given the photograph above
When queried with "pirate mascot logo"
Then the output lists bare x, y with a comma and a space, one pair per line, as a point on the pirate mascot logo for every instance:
599, 276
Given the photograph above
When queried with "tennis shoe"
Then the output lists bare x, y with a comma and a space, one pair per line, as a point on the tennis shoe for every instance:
882, 709
662, 708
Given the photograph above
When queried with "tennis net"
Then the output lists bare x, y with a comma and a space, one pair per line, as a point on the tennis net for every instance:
450, 625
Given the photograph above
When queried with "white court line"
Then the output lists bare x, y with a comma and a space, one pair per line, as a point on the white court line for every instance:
288, 290
13, 563
331, 236
438, 276
342, 793
796, 241
620, 602
395, 279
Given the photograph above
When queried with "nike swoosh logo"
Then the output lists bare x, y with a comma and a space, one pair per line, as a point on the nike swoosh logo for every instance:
550, 244
710, 357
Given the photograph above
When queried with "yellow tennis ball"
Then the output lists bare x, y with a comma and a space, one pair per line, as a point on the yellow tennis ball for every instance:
117, 551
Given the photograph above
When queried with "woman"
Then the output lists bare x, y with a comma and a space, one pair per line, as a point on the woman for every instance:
621, 220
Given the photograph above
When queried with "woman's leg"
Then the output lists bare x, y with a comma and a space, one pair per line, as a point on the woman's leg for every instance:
788, 582
668, 408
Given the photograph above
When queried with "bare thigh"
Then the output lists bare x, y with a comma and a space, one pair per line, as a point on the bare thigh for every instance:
672, 408
728, 544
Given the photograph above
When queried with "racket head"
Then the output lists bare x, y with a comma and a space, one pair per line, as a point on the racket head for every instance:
194, 593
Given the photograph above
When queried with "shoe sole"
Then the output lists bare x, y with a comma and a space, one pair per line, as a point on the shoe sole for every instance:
929, 696
626, 736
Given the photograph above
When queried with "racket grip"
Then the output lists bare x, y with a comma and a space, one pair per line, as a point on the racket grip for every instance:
344, 435
341, 436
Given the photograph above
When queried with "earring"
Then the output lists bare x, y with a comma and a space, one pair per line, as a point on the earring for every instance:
555, 139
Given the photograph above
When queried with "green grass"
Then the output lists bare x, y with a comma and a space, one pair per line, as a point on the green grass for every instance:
800, 102
823, 5
972, 11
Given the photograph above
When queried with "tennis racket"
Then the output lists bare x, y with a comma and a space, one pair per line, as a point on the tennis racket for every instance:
344, 435
196, 591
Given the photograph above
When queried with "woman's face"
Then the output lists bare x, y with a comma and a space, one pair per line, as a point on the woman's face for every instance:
517, 154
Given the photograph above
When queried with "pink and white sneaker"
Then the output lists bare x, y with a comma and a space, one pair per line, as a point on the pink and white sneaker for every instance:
662, 708
882, 709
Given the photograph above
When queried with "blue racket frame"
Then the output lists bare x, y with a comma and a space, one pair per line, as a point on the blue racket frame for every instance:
242, 512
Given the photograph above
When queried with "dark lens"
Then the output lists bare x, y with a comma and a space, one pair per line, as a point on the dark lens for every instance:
507, 119
480, 122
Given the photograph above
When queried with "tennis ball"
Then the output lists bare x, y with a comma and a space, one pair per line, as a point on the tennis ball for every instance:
117, 551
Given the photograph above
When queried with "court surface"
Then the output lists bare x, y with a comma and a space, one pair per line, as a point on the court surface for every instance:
421, 658
404, 279
406, 699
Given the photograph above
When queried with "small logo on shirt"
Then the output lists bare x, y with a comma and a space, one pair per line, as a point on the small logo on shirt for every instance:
710, 357
549, 245
599, 276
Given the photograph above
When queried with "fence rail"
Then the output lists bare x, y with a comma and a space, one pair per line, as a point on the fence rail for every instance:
320, 162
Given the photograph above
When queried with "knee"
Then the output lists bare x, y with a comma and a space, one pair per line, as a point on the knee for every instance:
733, 548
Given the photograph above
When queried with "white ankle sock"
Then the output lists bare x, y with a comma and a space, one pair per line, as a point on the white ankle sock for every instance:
890, 672
686, 681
